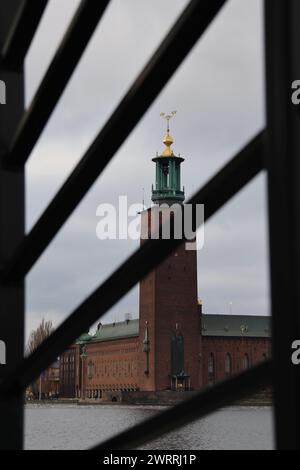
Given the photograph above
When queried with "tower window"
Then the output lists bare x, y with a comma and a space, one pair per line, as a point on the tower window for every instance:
177, 355
228, 365
246, 362
211, 369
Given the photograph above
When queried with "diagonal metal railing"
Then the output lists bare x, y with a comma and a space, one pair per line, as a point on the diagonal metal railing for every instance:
204, 403
19, 253
233, 177
141, 95
21, 33
55, 80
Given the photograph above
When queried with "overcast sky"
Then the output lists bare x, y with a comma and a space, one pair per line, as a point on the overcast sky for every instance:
218, 93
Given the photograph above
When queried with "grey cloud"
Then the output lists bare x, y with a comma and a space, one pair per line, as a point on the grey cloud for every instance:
220, 98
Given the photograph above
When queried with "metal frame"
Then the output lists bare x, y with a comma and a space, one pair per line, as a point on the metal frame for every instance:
282, 152
12, 222
20, 131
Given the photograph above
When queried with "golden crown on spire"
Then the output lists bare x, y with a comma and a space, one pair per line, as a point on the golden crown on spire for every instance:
168, 140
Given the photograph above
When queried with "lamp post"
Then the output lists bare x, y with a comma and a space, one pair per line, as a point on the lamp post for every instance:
40, 388
83, 356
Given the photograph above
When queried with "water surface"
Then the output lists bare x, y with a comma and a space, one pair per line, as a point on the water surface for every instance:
71, 427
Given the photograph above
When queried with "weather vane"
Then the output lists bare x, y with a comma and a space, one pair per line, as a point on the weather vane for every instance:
168, 118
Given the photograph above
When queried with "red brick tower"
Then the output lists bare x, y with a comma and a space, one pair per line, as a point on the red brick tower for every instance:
169, 356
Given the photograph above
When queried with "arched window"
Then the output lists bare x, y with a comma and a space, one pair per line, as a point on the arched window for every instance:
211, 369
246, 362
228, 365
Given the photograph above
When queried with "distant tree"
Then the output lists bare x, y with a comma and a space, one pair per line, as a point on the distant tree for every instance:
36, 338
39, 335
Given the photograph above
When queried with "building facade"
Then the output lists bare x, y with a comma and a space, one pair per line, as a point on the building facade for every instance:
172, 346
232, 344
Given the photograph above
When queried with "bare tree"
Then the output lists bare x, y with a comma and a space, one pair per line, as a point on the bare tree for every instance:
39, 335
35, 339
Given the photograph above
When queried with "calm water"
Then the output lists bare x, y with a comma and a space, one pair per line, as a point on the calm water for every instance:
72, 427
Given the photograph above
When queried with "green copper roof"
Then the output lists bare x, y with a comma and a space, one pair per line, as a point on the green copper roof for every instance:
212, 325
117, 330
85, 338
236, 325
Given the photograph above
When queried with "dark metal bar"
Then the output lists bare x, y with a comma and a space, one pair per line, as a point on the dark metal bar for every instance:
201, 405
11, 234
56, 79
22, 32
233, 177
161, 67
283, 151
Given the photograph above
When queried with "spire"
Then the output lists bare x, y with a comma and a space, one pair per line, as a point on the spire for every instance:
168, 175
168, 140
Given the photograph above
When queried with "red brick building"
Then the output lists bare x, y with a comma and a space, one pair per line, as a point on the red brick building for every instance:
114, 360
108, 361
69, 365
172, 346
231, 344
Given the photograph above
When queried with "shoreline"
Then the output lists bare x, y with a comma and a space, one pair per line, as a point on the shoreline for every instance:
248, 403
